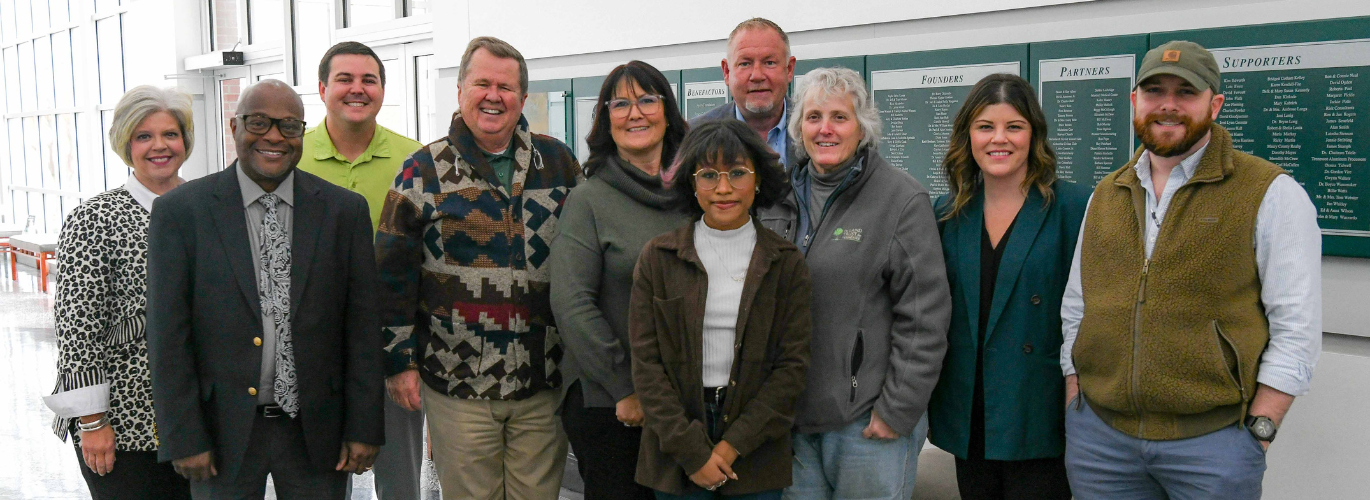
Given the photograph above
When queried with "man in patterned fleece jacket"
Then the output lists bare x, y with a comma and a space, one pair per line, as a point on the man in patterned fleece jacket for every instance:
462, 253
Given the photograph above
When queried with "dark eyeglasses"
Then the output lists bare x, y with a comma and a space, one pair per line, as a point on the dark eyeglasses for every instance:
738, 177
648, 104
260, 125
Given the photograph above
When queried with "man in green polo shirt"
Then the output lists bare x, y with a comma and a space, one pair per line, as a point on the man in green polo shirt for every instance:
351, 150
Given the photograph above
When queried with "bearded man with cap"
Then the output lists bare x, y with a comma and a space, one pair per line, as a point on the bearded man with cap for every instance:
1193, 313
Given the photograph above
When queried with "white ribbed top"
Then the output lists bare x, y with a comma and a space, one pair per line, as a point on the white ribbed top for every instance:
726, 255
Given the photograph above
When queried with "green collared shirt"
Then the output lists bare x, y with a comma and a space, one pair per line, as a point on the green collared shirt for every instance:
503, 165
370, 175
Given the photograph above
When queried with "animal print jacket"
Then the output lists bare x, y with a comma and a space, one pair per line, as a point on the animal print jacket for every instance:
100, 309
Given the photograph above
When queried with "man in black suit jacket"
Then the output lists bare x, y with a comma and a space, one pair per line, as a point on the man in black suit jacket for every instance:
285, 381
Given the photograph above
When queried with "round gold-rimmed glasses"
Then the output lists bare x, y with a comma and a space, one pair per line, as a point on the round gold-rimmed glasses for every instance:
738, 177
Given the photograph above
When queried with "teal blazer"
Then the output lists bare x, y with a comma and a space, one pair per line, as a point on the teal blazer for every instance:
1024, 388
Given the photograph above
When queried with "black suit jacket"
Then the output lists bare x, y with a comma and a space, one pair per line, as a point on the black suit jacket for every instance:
203, 313
729, 112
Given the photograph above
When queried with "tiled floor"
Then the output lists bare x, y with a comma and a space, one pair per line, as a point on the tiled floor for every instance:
36, 465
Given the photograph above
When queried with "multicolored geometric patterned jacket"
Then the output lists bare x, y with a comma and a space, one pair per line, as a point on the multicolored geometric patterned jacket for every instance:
463, 264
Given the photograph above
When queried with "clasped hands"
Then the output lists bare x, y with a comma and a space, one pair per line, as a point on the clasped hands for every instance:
719, 468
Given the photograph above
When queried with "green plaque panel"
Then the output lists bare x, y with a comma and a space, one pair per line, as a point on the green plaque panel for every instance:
546, 108
1296, 94
586, 92
673, 77
918, 95
1084, 88
803, 67
703, 89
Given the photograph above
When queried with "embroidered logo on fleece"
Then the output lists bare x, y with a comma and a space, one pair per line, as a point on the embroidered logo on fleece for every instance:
846, 234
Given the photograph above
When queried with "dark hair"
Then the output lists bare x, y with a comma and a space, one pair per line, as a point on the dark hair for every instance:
726, 141
963, 173
601, 141
347, 48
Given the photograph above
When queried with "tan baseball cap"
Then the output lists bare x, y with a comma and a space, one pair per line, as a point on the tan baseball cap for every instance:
1187, 60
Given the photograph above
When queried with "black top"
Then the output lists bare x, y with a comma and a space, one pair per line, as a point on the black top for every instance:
989, 274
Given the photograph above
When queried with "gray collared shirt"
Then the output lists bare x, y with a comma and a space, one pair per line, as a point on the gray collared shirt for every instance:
255, 211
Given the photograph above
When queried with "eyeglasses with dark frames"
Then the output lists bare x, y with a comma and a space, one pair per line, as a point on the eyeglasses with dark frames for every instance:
647, 104
259, 124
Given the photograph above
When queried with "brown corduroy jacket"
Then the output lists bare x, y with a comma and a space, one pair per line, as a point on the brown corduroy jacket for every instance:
771, 353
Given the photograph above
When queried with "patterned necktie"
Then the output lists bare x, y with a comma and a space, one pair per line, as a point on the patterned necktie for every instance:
273, 285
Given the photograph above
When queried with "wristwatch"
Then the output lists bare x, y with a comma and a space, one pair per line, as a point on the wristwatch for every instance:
1261, 427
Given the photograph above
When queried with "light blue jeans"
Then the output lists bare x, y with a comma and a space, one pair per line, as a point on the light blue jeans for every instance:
844, 465
1103, 463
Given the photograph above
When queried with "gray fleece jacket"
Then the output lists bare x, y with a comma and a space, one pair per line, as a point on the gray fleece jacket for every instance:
881, 302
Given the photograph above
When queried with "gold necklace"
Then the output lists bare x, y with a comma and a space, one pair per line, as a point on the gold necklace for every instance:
724, 262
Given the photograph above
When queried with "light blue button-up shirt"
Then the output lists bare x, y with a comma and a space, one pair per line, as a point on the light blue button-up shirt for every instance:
777, 139
1288, 260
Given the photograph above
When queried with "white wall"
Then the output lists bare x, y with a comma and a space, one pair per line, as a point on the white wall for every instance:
1321, 452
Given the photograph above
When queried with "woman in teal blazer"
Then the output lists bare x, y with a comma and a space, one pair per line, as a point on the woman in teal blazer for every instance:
1008, 231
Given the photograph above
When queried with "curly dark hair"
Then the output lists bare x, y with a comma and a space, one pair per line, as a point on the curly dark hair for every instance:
961, 170
601, 141
728, 142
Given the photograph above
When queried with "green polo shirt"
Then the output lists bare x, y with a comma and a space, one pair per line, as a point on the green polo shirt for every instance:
373, 172
503, 165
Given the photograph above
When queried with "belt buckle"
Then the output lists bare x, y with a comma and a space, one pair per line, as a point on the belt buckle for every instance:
272, 411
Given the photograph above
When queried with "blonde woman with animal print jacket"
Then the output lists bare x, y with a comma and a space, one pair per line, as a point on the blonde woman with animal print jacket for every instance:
103, 397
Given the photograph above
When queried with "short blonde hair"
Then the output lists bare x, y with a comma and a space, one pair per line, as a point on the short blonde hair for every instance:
828, 83
138, 104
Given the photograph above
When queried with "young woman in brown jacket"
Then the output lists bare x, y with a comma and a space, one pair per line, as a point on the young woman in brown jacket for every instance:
720, 323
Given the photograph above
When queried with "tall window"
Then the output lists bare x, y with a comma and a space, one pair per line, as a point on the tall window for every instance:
60, 85
226, 23
313, 37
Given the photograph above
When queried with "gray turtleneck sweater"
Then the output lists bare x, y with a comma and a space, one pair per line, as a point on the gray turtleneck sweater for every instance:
822, 186
603, 227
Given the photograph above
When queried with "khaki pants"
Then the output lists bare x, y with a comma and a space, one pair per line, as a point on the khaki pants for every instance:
493, 450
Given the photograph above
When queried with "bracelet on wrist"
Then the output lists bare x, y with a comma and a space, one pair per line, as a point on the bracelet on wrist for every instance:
93, 426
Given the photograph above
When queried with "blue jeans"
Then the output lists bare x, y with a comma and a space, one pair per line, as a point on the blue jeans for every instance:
1103, 463
843, 464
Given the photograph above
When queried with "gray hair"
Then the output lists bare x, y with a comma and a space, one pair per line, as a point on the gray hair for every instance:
498, 48
826, 83
758, 23
144, 101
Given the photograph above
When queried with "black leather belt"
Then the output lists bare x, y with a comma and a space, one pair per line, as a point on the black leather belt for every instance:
715, 395
271, 411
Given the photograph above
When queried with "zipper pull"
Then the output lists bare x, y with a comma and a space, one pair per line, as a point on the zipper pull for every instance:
806, 240
852, 398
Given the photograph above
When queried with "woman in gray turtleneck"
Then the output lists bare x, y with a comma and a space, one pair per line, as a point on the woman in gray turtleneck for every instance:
604, 225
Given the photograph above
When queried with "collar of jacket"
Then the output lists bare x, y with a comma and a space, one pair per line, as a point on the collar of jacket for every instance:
768, 244
464, 141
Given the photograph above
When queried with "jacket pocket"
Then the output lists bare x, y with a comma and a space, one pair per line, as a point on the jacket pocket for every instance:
670, 324
858, 355
1231, 359
127, 330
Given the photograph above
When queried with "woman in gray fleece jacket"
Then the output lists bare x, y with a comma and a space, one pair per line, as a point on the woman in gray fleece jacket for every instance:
881, 302
604, 225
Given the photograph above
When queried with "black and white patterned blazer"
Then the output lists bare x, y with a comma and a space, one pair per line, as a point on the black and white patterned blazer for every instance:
100, 309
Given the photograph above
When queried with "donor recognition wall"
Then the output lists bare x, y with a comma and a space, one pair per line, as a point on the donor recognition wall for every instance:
1296, 94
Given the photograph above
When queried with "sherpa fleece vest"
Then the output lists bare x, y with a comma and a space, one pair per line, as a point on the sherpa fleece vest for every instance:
1169, 346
